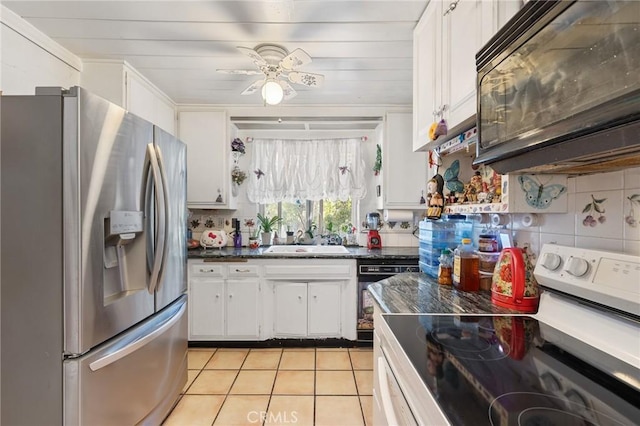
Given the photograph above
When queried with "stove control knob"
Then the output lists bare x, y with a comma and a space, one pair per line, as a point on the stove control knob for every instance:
577, 266
576, 399
551, 261
550, 382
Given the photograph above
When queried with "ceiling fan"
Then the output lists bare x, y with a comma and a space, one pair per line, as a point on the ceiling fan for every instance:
275, 62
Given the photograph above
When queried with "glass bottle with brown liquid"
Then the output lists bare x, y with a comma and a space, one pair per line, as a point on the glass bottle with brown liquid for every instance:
445, 269
466, 267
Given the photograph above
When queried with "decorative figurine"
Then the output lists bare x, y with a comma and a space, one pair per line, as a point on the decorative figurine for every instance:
435, 197
476, 182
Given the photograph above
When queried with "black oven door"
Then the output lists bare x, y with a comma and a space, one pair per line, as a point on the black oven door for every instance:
559, 70
371, 271
365, 307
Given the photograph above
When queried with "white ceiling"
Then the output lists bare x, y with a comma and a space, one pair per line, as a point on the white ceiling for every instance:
363, 47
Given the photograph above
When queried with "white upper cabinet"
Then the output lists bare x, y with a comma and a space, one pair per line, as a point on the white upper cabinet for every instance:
143, 101
463, 30
121, 84
404, 172
446, 40
208, 179
427, 72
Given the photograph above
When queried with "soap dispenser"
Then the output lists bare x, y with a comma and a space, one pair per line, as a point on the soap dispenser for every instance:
237, 234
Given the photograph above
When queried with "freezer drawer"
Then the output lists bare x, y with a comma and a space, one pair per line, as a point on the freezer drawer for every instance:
135, 378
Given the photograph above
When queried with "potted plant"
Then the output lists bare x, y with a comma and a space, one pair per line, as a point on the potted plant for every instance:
267, 226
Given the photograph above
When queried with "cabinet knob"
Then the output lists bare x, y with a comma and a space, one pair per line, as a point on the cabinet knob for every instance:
451, 7
439, 113
231, 296
217, 296
299, 297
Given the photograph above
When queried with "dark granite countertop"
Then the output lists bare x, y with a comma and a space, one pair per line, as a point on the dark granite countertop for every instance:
229, 254
417, 293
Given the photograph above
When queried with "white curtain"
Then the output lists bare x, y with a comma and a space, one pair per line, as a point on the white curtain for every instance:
290, 170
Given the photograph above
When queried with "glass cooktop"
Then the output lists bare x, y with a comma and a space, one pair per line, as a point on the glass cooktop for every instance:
513, 370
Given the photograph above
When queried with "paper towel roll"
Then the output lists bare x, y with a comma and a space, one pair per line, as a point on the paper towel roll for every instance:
530, 219
499, 219
397, 216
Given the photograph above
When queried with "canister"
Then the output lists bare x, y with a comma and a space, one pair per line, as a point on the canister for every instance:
487, 243
487, 261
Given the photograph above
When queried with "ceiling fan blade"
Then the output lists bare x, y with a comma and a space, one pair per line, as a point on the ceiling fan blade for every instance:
289, 92
255, 57
306, 78
240, 72
253, 88
295, 60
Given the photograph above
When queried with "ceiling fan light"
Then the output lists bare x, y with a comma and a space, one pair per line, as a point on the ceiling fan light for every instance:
272, 92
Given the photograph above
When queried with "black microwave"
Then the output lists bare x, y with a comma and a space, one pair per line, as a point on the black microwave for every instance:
558, 89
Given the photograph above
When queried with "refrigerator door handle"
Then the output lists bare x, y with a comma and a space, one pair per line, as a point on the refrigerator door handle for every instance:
160, 231
137, 344
163, 212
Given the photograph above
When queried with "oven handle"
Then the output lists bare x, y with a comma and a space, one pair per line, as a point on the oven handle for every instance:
387, 404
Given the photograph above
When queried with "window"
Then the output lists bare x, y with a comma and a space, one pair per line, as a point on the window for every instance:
324, 216
312, 184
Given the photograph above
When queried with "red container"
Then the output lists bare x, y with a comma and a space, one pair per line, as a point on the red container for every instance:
513, 285
515, 335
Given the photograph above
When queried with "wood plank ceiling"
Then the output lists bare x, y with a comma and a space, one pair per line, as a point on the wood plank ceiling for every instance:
363, 47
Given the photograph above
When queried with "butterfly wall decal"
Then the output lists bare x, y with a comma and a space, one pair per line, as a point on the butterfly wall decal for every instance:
539, 195
343, 169
259, 173
451, 178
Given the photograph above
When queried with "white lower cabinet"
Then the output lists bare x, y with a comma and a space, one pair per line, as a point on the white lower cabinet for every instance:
206, 307
323, 316
311, 298
272, 298
290, 302
242, 308
308, 309
223, 304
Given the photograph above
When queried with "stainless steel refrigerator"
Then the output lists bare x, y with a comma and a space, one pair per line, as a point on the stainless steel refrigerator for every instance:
93, 273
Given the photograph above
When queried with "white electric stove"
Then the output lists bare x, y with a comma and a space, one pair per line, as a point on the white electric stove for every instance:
575, 362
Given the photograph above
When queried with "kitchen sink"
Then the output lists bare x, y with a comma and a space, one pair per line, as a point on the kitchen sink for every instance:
293, 250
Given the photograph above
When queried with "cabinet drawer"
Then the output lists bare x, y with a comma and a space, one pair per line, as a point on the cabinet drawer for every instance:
207, 270
308, 272
243, 270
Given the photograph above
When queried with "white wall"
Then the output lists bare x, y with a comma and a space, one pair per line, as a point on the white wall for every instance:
30, 59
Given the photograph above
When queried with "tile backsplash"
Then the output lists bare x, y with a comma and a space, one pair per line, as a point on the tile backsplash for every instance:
603, 213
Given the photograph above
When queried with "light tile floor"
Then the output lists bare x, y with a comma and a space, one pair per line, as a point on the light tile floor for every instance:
290, 386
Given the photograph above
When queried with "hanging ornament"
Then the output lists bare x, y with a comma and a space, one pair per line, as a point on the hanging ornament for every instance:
378, 164
438, 129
